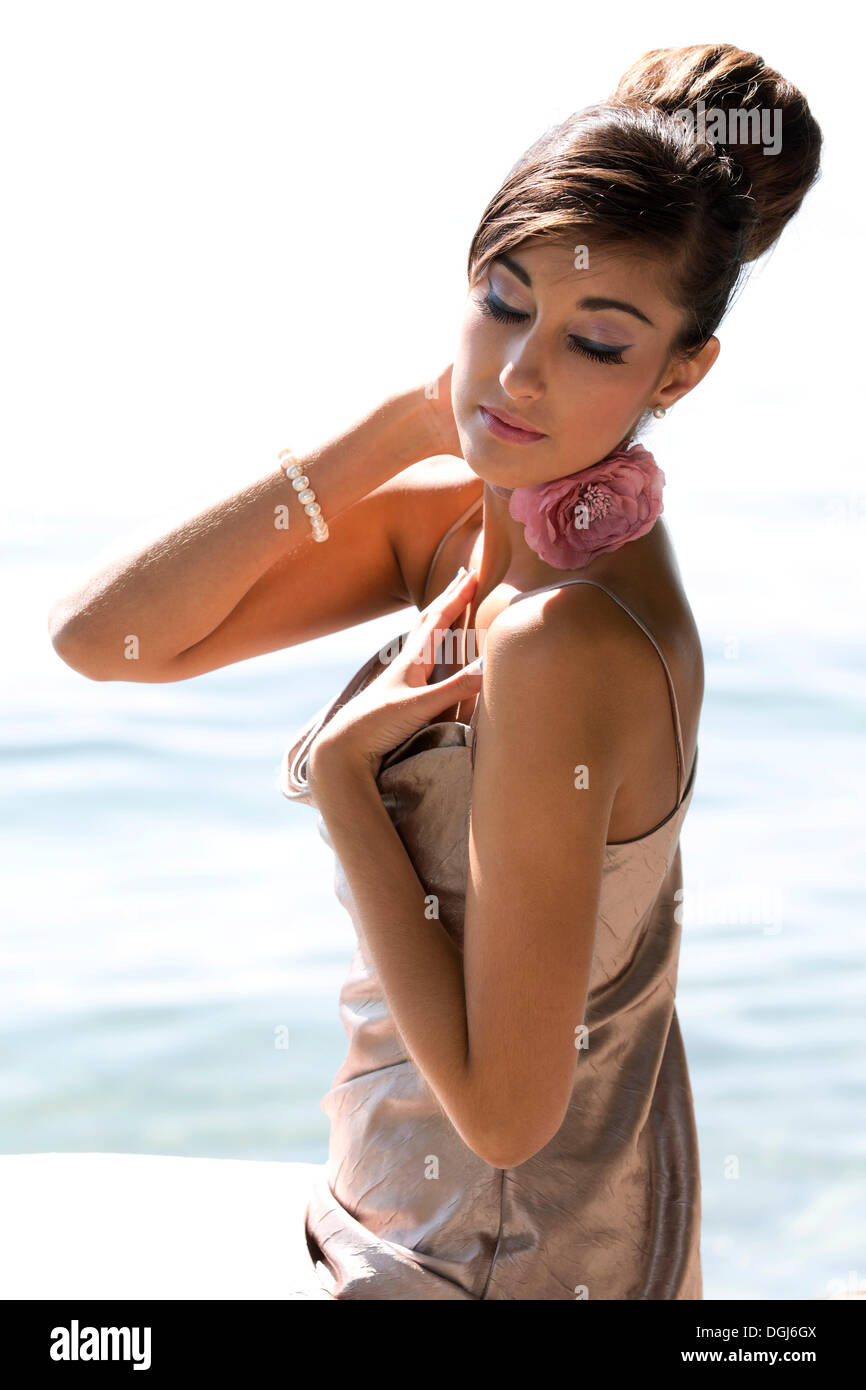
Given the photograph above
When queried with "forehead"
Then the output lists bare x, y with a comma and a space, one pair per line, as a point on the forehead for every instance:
568, 270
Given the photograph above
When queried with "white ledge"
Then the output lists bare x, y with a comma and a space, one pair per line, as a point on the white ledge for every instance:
147, 1226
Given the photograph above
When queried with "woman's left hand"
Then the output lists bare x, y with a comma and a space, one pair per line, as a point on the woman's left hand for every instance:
398, 701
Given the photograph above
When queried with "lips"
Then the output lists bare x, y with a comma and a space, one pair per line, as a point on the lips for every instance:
511, 420
506, 427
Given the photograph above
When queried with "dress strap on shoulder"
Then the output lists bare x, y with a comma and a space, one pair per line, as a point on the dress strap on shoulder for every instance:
671, 690
455, 526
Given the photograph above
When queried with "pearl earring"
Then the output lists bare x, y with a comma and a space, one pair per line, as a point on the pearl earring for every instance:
659, 411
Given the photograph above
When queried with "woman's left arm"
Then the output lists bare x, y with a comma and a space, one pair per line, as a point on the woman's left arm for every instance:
492, 1031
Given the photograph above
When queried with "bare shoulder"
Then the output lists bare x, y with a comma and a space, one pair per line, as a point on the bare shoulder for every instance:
572, 658
566, 623
553, 701
572, 634
424, 500
579, 620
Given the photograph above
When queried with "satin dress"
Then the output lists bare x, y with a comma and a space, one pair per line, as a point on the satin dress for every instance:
610, 1208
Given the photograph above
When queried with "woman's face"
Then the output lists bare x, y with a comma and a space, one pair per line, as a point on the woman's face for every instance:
539, 343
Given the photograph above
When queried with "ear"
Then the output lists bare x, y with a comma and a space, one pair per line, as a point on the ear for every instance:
684, 376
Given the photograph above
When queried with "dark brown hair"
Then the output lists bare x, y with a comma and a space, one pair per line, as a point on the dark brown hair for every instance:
630, 174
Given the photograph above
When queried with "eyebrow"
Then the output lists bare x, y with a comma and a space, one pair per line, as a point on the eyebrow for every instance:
591, 302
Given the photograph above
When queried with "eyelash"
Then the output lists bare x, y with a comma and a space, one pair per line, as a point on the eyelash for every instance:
489, 304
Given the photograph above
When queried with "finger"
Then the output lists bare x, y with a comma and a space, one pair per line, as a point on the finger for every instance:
470, 678
445, 607
437, 618
429, 700
453, 592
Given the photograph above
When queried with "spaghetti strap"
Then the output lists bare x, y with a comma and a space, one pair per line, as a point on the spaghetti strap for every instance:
455, 525
671, 690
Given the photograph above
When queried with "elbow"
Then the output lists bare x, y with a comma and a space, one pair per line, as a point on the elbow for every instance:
510, 1146
497, 1157
506, 1131
509, 1154
73, 639
509, 1115
69, 640
506, 1154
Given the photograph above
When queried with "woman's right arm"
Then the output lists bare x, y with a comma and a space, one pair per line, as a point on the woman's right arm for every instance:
231, 583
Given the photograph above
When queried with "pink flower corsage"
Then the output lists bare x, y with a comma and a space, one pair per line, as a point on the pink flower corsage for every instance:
570, 520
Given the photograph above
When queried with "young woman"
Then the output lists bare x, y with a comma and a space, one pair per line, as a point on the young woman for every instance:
514, 1118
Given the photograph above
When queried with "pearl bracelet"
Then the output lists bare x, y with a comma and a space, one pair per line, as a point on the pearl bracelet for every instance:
301, 483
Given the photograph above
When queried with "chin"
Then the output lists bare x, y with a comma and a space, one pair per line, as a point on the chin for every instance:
478, 461
498, 488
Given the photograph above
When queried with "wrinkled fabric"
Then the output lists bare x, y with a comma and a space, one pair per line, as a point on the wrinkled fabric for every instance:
610, 1207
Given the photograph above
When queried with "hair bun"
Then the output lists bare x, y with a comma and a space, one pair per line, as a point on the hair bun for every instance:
729, 86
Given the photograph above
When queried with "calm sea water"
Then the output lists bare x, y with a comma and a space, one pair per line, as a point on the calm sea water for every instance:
172, 950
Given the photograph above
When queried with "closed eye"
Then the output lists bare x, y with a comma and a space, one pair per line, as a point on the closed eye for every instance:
489, 304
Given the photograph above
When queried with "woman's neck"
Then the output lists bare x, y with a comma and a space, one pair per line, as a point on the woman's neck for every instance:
505, 557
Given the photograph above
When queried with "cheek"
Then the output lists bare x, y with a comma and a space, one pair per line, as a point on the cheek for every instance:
471, 363
475, 341
595, 412
462, 380
597, 390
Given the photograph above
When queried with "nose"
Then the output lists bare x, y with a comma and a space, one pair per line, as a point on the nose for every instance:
520, 378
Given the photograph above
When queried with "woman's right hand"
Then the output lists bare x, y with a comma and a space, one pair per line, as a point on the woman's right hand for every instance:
438, 396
